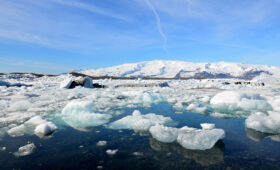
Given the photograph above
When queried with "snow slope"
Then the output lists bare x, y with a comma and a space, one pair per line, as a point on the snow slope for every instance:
181, 69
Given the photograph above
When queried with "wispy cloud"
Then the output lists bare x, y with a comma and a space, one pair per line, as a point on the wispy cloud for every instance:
158, 25
25, 37
93, 9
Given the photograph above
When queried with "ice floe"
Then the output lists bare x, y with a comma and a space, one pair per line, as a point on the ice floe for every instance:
138, 121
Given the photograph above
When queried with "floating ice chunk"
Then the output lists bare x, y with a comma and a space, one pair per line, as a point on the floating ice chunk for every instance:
163, 133
233, 100
189, 138
80, 115
20, 106
207, 126
199, 139
17, 131
25, 150
45, 129
112, 152
3, 148
101, 143
267, 123
66, 83
138, 153
137, 121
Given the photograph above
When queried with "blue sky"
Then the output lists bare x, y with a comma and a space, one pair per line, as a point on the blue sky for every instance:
55, 36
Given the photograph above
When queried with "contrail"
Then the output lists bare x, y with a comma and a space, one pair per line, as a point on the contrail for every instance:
158, 24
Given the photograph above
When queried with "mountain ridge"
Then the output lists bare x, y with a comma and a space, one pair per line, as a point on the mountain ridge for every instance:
182, 69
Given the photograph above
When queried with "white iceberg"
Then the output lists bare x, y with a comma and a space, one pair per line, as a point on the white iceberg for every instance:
80, 115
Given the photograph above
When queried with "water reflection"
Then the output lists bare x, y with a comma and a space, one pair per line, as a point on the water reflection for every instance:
258, 136
203, 157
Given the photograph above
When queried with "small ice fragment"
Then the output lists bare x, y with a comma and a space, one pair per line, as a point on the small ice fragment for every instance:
3, 148
207, 126
112, 152
101, 143
25, 150
137, 153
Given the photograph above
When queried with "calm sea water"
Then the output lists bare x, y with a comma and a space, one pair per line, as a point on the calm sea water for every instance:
72, 149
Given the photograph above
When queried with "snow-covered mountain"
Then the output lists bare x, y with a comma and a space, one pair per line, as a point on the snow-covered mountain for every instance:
181, 69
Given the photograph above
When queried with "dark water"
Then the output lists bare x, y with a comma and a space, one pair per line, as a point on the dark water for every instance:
72, 149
